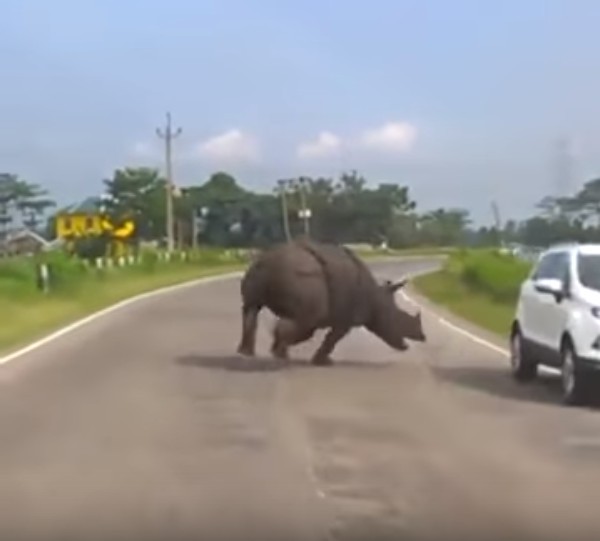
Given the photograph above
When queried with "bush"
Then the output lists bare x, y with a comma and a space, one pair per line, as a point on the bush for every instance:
69, 274
490, 272
17, 277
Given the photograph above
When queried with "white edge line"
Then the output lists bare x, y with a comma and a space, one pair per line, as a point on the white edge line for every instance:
110, 309
471, 336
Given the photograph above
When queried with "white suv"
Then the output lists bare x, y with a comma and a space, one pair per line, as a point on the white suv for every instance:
557, 321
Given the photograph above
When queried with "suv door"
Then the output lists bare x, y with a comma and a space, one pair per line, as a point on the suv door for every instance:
551, 313
555, 312
531, 301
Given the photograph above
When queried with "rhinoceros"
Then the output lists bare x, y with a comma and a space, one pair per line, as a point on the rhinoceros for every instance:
310, 285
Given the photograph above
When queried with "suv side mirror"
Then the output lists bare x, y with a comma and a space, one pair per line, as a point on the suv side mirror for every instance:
552, 286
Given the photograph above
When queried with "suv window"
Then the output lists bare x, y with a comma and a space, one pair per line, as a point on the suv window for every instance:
554, 265
588, 270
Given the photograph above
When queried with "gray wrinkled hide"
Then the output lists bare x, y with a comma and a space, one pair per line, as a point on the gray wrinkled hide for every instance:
321, 284
310, 285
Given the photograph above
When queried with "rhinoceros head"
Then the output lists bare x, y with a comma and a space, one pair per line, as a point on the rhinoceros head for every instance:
390, 322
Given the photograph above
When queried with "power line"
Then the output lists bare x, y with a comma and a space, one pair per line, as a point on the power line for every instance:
168, 135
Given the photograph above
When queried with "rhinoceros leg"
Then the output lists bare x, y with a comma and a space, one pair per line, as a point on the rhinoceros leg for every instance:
322, 355
286, 334
249, 323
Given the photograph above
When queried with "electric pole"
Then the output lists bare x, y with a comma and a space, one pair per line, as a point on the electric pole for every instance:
284, 209
168, 135
304, 212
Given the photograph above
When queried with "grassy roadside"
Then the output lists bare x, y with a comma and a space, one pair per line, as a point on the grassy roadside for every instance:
33, 317
480, 287
445, 290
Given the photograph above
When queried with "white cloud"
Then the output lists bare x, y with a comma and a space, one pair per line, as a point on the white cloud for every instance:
325, 144
391, 137
231, 146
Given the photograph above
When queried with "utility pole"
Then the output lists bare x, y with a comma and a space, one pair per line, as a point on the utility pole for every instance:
194, 229
304, 212
168, 135
284, 209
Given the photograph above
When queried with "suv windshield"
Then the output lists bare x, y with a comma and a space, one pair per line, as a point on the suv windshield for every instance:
588, 268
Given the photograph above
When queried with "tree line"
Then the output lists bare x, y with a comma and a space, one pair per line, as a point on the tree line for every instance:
222, 212
348, 209
560, 219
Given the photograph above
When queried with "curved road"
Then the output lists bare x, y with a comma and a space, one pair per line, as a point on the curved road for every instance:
144, 425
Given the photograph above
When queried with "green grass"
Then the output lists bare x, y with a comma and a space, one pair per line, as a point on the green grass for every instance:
480, 286
444, 289
28, 314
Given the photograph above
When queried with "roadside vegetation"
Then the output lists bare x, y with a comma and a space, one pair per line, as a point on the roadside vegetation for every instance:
220, 214
77, 288
481, 286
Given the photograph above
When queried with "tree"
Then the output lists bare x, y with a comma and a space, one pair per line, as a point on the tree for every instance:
137, 194
32, 202
444, 227
8, 188
19, 198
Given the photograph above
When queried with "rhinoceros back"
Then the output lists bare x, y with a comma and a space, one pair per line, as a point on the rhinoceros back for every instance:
308, 280
350, 284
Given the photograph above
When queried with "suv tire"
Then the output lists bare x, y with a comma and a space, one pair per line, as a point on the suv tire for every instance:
575, 387
523, 367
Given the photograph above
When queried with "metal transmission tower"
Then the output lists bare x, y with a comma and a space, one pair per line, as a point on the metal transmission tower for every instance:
498, 222
563, 167
168, 135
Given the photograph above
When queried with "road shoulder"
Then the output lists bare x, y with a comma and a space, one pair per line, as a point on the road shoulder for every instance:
446, 315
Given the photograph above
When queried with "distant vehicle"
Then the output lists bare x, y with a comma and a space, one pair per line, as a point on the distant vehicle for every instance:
557, 320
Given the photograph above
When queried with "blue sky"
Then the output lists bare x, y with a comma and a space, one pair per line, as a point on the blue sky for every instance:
461, 100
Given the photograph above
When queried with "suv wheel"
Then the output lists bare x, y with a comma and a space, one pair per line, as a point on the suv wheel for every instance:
522, 366
574, 385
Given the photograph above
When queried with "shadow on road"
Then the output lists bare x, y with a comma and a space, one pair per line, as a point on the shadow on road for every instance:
498, 382
238, 363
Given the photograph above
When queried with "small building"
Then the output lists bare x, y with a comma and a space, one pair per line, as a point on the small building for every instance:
23, 242
81, 219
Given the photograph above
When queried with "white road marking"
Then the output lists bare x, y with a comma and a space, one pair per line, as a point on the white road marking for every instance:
109, 310
469, 335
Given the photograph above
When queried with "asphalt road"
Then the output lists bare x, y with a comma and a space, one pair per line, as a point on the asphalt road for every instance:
145, 425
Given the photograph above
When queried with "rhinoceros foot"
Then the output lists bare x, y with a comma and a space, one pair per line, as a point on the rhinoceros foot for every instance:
279, 351
322, 361
246, 351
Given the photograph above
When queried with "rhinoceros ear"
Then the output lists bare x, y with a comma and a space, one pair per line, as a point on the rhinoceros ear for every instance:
395, 286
